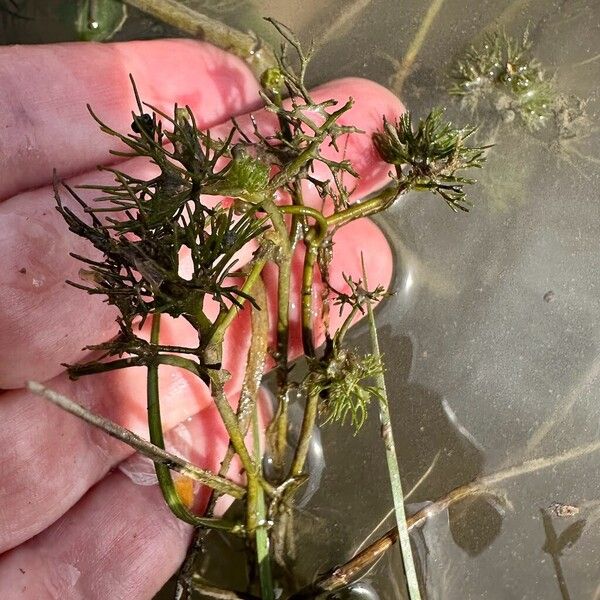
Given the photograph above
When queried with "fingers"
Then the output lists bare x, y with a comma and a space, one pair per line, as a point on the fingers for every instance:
49, 459
37, 309
119, 541
44, 321
44, 91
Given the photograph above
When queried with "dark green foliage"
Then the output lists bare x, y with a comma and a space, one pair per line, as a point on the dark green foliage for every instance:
429, 157
140, 273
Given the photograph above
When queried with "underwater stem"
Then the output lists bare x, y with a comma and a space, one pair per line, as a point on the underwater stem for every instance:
284, 265
415, 46
261, 535
478, 486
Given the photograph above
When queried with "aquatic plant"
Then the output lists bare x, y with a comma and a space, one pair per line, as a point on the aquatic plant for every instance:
502, 72
139, 228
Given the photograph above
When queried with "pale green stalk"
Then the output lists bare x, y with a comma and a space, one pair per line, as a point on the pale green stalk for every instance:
262, 535
410, 572
158, 455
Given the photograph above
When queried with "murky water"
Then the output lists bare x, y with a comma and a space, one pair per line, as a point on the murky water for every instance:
493, 336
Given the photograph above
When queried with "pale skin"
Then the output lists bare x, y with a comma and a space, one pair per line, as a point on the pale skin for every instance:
70, 525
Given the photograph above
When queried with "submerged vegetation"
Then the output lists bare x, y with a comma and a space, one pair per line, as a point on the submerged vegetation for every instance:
213, 198
501, 72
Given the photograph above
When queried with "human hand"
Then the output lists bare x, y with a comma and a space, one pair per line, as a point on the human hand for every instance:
70, 526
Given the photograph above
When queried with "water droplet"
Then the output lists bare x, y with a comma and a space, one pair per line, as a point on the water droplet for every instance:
38, 280
361, 590
140, 470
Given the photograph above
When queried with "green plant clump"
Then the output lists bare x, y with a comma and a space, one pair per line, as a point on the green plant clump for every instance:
502, 72
139, 229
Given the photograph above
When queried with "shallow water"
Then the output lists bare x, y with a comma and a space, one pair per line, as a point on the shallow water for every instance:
492, 339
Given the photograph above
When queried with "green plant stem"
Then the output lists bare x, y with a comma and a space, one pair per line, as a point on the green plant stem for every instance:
231, 424
255, 363
341, 333
312, 402
381, 202
134, 361
311, 151
313, 237
297, 218
261, 532
308, 274
223, 321
246, 407
321, 224
158, 455
284, 265
254, 51
412, 581
163, 474
212, 354
308, 422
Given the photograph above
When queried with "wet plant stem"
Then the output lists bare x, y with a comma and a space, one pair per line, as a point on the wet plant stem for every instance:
343, 330
308, 275
387, 434
233, 430
284, 266
343, 575
311, 151
253, 374
158, 455
378, 203
261, 533
163, 474
321, 224
340, 576
249, 48
223, 321
312, 401
552, 547
313, 238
